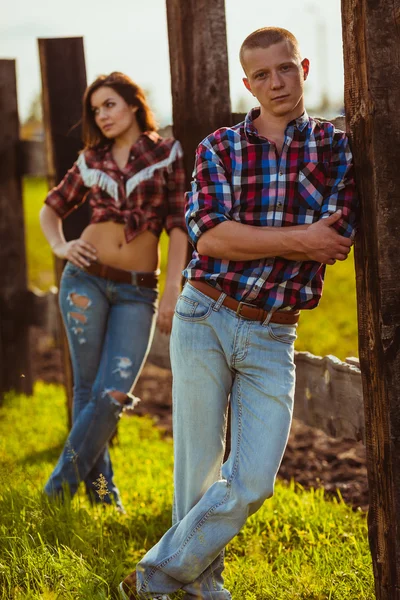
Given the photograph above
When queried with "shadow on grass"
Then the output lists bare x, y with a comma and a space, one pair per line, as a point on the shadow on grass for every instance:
47, 455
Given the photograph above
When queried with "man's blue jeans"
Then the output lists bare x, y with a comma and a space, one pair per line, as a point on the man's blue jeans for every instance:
216, 355
109, 328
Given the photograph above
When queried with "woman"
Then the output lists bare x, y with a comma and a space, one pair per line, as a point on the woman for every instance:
134, 181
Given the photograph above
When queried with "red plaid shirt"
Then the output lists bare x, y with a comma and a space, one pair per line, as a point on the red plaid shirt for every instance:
238, 176
148, 193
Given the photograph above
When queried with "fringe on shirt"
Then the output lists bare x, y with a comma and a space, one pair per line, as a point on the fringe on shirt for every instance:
105, 182
96, 177
147, 173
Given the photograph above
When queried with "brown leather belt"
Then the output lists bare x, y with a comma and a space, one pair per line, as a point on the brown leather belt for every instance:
149, 280
247, 311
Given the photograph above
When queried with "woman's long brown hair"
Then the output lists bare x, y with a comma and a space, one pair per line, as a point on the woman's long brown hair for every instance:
130, 92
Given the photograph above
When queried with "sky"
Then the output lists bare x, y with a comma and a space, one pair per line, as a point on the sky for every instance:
131, 36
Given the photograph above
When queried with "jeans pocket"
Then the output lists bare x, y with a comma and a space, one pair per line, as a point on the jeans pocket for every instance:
150, 294
311, 184
188, 309
285, 334
71, 270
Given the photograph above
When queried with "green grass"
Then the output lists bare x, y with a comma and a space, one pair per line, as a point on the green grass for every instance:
39, 255
329, 329
298, 546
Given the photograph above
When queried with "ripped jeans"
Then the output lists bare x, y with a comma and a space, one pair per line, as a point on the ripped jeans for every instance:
109, 327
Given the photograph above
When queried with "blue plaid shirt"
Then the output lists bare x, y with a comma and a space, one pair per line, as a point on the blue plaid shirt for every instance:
239, 176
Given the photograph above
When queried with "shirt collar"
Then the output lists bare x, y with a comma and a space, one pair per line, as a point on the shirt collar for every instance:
150, 138
146, 141
301, 122
249, 127
251, 130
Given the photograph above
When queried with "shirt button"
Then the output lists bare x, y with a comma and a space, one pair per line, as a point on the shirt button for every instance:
280, 173
279, 203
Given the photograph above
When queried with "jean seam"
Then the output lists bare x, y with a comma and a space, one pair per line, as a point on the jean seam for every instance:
229, 481
205, 298
105, 347
277, 339
243, 354
88, 431
193, 318
193, 305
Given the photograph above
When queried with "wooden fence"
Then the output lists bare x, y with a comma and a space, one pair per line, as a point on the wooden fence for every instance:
328, 392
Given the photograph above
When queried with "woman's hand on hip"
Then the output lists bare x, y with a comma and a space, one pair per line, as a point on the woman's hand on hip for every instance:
78, 252
166, 309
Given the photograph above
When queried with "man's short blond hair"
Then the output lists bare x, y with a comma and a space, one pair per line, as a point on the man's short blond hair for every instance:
266, 37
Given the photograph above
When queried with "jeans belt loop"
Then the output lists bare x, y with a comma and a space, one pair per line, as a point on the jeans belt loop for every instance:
267, 319
134, 278
219, 302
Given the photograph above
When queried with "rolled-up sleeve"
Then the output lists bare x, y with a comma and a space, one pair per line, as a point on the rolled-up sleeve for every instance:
68, 194
341, 189
176, 187
210, 200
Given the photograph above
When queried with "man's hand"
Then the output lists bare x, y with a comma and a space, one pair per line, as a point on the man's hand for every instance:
78, 252
166, 309
322, 243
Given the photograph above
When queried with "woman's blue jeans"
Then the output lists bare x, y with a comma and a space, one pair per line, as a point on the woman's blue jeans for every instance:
216, 356
109, 328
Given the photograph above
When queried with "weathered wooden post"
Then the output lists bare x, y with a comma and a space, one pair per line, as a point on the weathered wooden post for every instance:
199, 71
199, 76
15, 372
372, 99
62, 64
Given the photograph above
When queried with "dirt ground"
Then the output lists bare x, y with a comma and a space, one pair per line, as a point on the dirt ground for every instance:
312, 458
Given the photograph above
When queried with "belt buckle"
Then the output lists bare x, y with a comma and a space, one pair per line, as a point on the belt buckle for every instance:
134, 278
240, 306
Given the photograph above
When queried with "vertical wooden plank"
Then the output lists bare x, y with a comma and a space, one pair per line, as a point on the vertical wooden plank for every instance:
14, 328
2, 386
199, 71
63, 71
372, 92
199, 78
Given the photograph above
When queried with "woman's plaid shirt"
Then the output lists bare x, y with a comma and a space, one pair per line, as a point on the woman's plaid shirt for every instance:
147, 194
239, 176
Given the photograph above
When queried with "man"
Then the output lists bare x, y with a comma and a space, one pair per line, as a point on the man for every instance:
272, 203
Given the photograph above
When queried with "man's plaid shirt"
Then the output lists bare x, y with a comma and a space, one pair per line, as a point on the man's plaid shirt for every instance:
238, 176
147, 194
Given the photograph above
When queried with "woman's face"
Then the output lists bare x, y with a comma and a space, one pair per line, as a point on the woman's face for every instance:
112, 115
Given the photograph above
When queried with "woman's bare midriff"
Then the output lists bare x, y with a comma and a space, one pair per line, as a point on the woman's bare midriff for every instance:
141, 254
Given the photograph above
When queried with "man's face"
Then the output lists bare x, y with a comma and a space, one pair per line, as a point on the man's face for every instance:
275, 76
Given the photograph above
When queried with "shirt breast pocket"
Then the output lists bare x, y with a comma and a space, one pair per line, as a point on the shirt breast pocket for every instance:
311, 184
